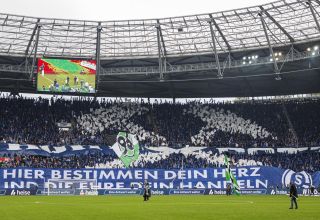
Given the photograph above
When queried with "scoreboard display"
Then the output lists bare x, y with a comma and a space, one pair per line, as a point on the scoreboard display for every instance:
66, 76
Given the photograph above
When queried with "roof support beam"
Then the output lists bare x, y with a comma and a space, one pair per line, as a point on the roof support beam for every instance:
276, 68
31, 37
98, 48
313, 14
35, 51
220, 32
161, 57
162, 41
277, 24
5, 20
317, 2
213, 37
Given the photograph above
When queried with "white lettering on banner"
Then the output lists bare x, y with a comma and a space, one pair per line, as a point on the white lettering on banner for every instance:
161, 185
260, 183
249, 186
301, 179
138, 175
109, 185
87, 173
216, 185
216, 173
182, 175
203, 174
77, 175
20, 193
119, 185
166, 186
106, 185
298, 180
168, 175
224, 185
23, 174
250, 178
84, 185
7, 173
28, 174
255, 171
186, 186
242, 172
19, 185
38, 174
69, 185
55, 174
200, 185
106, 175
124, 174
241, 184
149, 175
67, 174
244, 184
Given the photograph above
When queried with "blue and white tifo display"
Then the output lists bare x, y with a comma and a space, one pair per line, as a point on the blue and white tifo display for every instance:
252, 180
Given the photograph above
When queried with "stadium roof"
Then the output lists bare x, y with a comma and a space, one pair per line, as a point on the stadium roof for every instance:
155, 57
287, 21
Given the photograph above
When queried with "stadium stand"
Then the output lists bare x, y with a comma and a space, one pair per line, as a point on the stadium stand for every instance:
260, 123
266, 124
241, 124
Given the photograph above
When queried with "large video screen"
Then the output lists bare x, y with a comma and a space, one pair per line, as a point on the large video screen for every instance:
66, 76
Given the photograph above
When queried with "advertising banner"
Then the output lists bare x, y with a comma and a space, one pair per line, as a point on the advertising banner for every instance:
251, 180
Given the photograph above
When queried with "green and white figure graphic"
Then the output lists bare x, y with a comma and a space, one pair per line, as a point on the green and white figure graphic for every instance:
230, 177
126, 148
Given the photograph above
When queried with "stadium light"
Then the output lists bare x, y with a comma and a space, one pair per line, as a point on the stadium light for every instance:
253, 57
250, 62
277, 54
309, 49
316, 47
243, 62
271, 60
313, 53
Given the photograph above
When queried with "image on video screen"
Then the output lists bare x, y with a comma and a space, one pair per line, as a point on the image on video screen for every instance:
66, 76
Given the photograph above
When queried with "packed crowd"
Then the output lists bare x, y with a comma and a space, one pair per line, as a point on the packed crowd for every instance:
264, 123
307, 161
69, 162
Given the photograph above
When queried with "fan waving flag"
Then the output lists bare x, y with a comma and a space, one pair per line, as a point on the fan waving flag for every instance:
126, 148
231, 177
